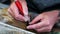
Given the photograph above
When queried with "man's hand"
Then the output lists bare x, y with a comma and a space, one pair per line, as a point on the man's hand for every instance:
13, 10
47, 21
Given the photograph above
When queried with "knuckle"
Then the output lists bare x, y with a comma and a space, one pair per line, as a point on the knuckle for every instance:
16, 17
48, 23
37, 26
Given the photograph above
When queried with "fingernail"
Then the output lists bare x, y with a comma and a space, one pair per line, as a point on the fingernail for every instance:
28, 27
30, 23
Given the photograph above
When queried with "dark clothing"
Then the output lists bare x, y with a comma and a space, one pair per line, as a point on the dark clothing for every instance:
5, 2
43, 5
2, 1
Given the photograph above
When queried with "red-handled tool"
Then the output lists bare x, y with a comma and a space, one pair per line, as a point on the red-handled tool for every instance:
19, 6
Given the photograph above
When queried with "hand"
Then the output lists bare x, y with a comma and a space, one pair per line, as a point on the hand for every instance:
47, 21
13, 10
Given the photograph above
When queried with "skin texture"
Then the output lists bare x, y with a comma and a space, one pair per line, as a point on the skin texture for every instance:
13, 10
47, 19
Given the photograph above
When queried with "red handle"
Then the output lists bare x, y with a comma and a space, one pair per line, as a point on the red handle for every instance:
18, 4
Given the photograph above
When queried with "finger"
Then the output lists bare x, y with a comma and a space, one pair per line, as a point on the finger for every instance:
37, 25
44, 29
18, 17
38, 18
44, 22
14, 9
10, 12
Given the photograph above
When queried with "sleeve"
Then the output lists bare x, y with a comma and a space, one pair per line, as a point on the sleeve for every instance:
47, 5
3, 0
8, 2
